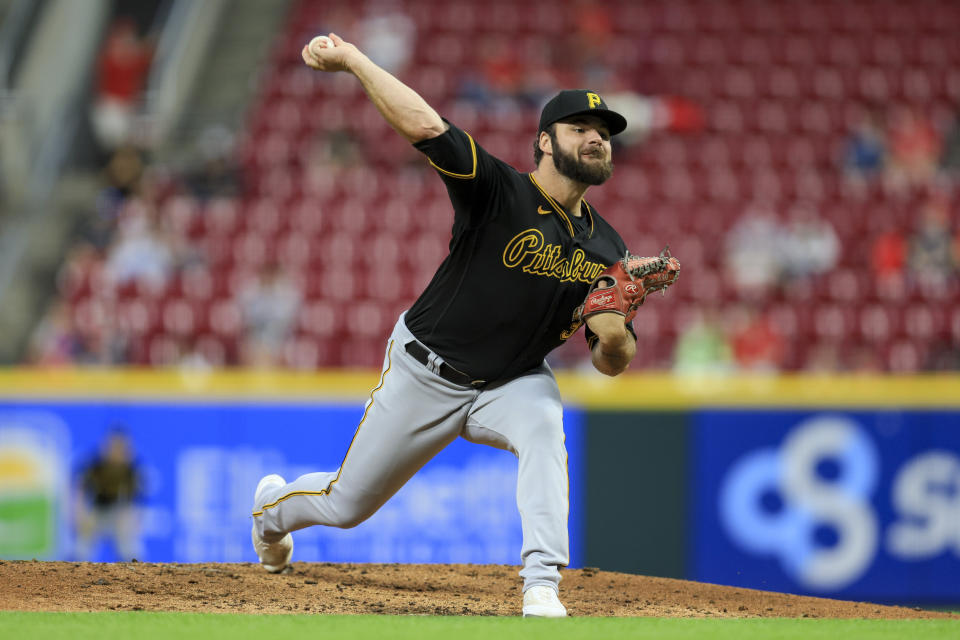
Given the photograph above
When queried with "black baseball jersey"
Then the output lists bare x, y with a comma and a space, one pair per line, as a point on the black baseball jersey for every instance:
108, 483
518, 265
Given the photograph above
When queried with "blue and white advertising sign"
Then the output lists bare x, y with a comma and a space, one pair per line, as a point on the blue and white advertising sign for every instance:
201, 463
853, 505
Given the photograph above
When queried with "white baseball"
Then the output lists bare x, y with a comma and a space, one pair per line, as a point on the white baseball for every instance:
320, 42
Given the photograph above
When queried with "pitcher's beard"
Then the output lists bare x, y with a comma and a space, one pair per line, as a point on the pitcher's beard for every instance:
573, 167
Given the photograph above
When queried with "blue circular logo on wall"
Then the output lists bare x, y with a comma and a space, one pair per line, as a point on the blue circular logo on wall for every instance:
808, 502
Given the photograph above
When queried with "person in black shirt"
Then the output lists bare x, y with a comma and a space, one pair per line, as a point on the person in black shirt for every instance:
467, 359
109, 484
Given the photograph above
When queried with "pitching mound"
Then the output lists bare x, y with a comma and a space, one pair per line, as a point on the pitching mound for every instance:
489, 590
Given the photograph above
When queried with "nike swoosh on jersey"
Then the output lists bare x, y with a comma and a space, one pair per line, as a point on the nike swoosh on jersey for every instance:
543, 211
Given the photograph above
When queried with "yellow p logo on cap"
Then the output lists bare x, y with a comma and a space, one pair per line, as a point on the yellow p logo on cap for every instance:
594, 100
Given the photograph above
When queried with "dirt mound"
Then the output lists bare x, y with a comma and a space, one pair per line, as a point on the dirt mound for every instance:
490, 590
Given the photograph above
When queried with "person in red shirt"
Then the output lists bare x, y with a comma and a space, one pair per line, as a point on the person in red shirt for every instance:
914, 148
757, 346
121, 74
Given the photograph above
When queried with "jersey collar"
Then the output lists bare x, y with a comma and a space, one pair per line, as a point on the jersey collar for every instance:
560, 211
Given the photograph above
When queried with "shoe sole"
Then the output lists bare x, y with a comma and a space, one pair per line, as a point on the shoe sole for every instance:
534, 611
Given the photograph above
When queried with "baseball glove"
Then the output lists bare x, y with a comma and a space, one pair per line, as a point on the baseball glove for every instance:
624, 285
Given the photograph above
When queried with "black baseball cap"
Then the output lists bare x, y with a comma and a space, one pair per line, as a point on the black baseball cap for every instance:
580, 102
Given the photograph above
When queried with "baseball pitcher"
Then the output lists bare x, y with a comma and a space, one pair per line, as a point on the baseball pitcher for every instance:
530, 262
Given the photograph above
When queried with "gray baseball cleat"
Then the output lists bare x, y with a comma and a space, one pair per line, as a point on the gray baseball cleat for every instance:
542, 602
274, 556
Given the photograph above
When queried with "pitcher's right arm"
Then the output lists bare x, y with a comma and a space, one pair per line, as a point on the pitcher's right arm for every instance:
401, 106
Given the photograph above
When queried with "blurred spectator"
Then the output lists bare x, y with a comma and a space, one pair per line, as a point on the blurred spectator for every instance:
864, 359
102, 340
121, 177
931, 261
328, 153
944, 355
123, 171
757, 345
55, 341
177, 351
82, 261
865, 150
950, 156
914, 148
703, 346
499, 80
387, 35
810, 244
502, 81
104, 345
648, 114
269, 309
823, 357
87, 332
192, 359
180, 352
541, 79
121, 72
140, 251
109, 485
337, 149
753, 251
888, 256
593, 28
216, 172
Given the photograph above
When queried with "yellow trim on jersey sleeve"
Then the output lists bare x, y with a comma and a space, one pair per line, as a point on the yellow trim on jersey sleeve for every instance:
461, 176
324, 492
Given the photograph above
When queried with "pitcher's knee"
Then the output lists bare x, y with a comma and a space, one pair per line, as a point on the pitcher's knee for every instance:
351, 523
352, 517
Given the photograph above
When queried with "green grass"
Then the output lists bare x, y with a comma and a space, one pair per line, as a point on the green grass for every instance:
166, 626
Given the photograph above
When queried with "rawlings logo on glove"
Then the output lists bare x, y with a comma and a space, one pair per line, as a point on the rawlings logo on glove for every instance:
604, 299
624, 286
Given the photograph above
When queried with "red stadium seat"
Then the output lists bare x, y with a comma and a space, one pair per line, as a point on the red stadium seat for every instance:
834, 322
925, 323
196, 283
213, 349
225, 319
320, 319
251, 250
361, 353
878, 323
295, 247
163, 351
305, 353
335, 248
846, 286
905, 356
178, 317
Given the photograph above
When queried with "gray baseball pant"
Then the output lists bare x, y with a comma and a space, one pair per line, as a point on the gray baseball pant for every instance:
411, 416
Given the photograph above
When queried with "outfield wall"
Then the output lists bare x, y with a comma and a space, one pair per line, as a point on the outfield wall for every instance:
844, 487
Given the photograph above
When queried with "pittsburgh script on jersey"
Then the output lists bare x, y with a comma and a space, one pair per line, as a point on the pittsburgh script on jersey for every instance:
528, 251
